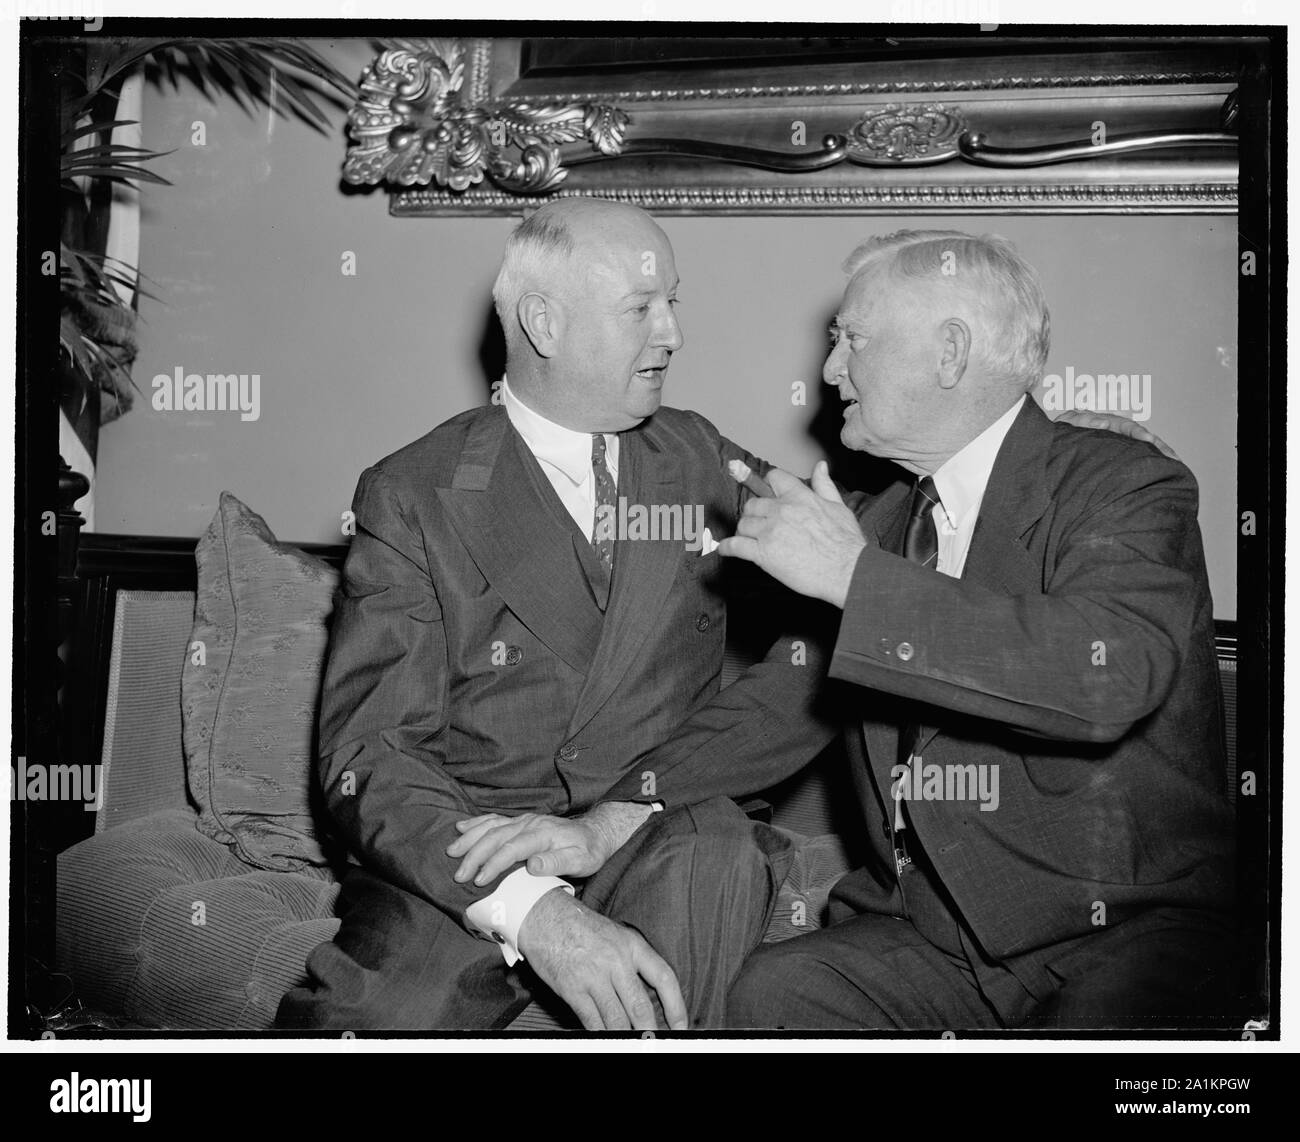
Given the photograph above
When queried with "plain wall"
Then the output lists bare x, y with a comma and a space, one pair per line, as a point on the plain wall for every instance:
246, 249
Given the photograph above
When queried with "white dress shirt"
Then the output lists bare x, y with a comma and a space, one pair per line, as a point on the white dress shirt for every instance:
960, 484
565, 457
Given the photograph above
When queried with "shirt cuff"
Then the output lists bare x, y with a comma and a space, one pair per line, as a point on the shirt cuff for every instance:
500, 916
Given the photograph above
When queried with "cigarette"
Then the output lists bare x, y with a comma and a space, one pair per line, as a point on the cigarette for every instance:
743, 474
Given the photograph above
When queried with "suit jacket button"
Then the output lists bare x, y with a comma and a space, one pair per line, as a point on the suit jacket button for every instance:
568, 751
886, 647
905, 651
884, 824
703, 622
514, 656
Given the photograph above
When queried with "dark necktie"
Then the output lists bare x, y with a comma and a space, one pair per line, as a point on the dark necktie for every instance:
602, 529
921, 540
920, 545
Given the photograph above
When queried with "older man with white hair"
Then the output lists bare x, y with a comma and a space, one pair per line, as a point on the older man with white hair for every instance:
1027, 618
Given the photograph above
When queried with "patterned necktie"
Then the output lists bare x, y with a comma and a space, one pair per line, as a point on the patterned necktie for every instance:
920, 545
602, 529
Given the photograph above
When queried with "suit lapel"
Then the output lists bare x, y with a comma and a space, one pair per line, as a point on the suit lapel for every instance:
519, 539
1015, 500
888, 516
644, 571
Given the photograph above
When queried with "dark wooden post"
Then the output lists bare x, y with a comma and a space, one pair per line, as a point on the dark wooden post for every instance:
72, 486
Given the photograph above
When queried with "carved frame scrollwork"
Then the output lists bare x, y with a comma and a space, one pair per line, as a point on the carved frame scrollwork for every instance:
412, 126
454, 127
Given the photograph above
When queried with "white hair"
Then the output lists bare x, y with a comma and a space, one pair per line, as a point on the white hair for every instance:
532, 252
1003, 285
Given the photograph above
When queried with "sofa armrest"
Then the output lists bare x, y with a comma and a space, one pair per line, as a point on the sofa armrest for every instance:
143, 759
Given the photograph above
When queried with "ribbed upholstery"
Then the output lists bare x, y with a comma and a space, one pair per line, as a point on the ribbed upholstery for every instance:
804, 803
232, 970
128, 940
1228, 686
734, 663
142, 720
105, 885
819, 863
535, 1017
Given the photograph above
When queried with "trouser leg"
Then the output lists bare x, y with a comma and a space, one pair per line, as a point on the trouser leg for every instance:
699, 883
399, 963
867, 972
1167, 968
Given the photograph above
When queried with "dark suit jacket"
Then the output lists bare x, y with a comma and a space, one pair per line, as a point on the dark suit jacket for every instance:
1112, 778
471, 668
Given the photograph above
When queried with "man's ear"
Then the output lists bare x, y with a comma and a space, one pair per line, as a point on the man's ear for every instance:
541, 321
955, 352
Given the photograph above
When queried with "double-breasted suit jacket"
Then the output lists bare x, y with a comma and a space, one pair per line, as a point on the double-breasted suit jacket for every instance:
479, 662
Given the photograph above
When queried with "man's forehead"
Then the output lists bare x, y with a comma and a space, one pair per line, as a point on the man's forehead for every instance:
626, 267
620, 247
861, 296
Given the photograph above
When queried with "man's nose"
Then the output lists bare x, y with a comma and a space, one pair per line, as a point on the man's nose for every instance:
834, 371
670, 332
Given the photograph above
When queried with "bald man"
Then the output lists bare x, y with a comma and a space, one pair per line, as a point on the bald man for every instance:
528, 642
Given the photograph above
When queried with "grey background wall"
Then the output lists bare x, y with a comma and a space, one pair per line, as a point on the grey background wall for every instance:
246, 252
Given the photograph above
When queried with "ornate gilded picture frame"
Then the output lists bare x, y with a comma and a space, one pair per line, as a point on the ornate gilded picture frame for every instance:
764, 126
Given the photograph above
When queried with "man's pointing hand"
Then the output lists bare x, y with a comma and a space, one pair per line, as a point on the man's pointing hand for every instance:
806, 538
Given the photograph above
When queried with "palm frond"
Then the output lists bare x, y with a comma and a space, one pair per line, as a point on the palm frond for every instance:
74, 133
109, 264
116, 161
285, 75
106, 61
91, 277
89, 359
114, 172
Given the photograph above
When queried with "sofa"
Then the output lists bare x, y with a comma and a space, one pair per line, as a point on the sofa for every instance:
210, 873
